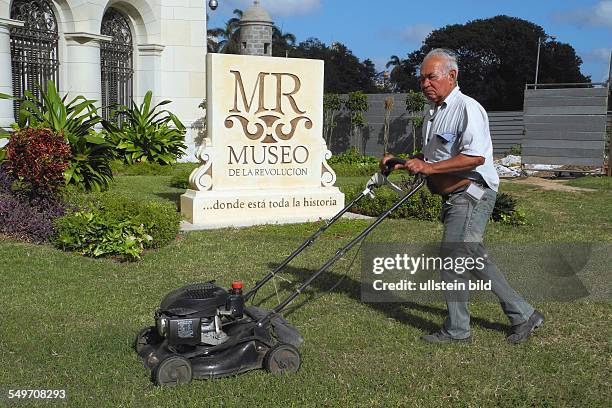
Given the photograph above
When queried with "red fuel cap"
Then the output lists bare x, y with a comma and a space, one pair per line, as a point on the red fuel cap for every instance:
237, 285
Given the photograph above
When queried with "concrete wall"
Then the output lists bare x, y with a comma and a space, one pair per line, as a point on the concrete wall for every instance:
506, 128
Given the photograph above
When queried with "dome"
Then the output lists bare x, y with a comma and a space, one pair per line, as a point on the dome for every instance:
256, 13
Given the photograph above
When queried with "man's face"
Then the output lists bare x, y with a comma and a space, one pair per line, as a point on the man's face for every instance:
435, 85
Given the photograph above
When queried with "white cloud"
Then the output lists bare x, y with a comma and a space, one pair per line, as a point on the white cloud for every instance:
276, 7
598, 54
415, 33
599, 15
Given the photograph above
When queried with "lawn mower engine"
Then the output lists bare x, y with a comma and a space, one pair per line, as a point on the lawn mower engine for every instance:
206, 331
193, 315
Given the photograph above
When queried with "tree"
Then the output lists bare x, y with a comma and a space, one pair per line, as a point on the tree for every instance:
497, 57
331, 107
357, 103
415, 103
388, 105
282, 43
344, 72
226, 39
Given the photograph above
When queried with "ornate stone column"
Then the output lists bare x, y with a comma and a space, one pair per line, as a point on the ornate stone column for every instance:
6, 74
83, 65
149, 70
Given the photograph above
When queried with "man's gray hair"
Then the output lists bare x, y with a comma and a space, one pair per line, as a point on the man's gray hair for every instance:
448, 55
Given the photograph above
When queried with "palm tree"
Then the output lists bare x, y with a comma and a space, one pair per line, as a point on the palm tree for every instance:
225, 39
394, 62
281, 42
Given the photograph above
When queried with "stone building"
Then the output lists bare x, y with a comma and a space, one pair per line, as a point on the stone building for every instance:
256, 31
107, 50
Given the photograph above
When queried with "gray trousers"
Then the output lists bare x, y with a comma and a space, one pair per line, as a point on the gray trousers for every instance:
465, 220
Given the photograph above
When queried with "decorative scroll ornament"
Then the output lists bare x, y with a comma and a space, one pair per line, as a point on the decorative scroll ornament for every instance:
201, 178
116, 26
265, 127
36, 14
328, 176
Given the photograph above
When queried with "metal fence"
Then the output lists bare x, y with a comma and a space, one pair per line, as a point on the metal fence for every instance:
565, 126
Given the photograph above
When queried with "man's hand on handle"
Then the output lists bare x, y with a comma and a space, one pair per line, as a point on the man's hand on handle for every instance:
415, 165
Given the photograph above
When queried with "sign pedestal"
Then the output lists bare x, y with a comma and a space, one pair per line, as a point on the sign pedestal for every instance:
218, 209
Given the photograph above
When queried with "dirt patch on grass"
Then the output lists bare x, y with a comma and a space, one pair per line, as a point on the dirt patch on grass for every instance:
547, 184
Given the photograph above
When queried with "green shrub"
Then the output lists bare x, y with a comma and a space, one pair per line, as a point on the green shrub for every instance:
160, 219
352, 170
180, 179
148, 135
426, 206
93, 233
352, 156
89, 166
423, 205
515, 149
505, 210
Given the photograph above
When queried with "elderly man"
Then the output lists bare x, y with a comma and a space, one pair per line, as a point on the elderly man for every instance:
457, 159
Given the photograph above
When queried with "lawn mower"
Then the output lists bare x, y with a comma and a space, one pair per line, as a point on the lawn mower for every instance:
206, 331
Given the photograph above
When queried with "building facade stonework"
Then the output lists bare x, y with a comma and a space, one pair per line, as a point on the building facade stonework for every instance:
109, 51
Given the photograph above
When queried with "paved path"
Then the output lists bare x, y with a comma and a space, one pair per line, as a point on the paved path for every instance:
547, 184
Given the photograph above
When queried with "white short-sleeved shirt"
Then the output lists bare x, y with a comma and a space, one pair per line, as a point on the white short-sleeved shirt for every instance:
460, 125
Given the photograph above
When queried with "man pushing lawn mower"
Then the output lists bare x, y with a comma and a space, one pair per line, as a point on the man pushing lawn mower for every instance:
457, 159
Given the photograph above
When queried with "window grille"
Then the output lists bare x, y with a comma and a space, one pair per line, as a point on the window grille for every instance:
116, 63
34, 56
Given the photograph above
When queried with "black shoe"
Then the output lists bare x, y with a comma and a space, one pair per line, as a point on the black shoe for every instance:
440, 337
521, 332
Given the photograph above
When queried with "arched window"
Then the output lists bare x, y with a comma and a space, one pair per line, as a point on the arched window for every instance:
33, 47
116, 62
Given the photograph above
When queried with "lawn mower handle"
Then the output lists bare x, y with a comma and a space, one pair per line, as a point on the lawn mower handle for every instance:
340, 252
391, 163
307, 243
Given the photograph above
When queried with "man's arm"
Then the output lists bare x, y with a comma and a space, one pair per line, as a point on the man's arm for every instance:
461, 162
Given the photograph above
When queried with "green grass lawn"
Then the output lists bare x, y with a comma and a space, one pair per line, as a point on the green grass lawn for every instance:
67, 322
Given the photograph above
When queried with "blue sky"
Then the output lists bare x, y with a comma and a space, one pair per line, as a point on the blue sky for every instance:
378, 29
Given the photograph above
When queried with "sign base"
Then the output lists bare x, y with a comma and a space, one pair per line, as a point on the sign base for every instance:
241, 208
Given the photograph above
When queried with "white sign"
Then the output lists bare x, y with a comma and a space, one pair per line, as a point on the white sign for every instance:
265, 158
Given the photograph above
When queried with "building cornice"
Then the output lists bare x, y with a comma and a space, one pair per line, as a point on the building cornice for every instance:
9, 22
84, 37
151, 49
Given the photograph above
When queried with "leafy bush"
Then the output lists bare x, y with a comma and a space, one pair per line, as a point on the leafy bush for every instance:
38, 158
423, 205
505, 210
25, 216
352, 170
161, 218
181, 178
92, 233
90, 165
515, 149
123, 226
352, 156
147, 135
91, 154
353, 163
426, 206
